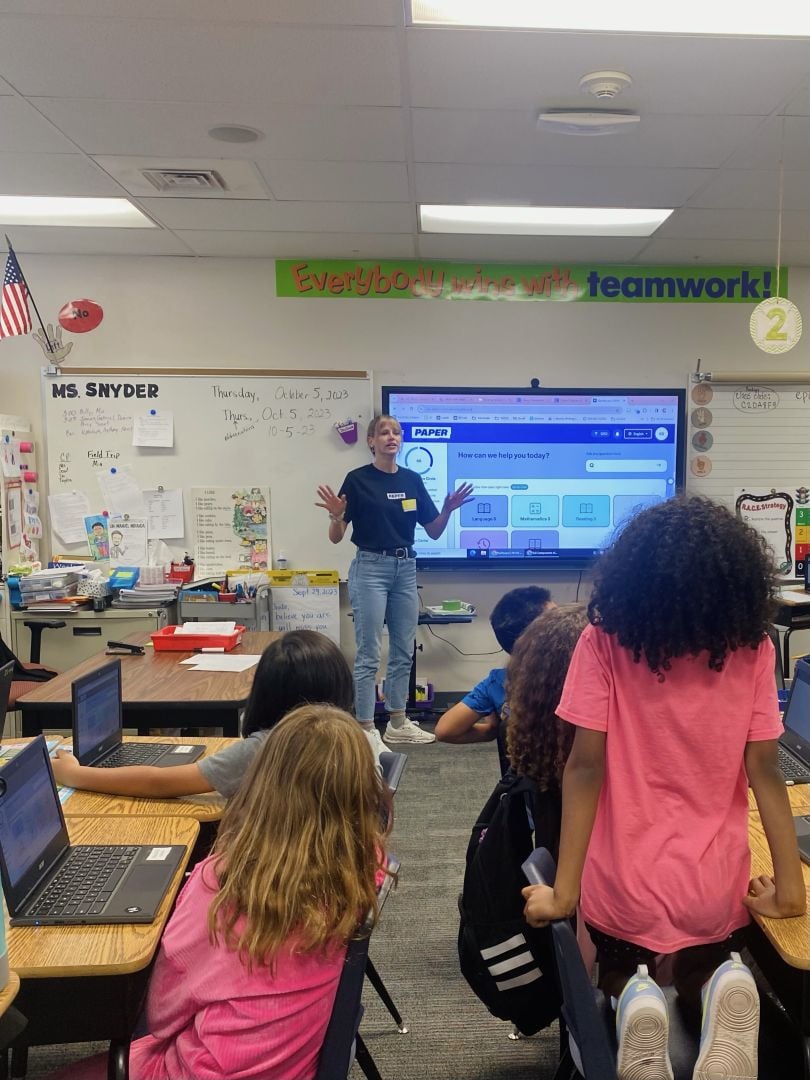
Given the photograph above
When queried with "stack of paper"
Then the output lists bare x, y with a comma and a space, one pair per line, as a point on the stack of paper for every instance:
146, 596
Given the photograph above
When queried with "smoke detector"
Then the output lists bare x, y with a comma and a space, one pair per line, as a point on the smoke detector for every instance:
605, 84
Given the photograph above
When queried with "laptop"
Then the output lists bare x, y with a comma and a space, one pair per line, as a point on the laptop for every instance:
98, 727
47, 880
794, 742
6, 675
802, 825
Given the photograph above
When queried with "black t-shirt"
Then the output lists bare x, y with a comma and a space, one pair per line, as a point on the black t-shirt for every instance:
384, 508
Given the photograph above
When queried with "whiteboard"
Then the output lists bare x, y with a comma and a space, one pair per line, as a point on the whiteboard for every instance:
749, 436
274, 430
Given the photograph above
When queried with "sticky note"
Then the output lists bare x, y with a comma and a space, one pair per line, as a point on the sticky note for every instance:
409, 504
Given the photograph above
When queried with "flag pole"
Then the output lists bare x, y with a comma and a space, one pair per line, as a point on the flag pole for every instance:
30, 295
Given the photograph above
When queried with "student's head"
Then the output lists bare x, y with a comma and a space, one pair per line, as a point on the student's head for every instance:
301, 841
537, 741
299, 667
684, 577
514, 611
381, 430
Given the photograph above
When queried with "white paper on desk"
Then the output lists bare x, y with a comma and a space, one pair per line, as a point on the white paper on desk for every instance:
218, 628
121, 493
153, 429
222, 662
68, 511
797, 597
164, 512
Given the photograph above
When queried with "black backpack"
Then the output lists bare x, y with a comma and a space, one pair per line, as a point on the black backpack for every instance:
509, 965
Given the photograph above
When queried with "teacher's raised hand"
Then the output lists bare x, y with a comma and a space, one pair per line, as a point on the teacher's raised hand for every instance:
458, 498
334, 504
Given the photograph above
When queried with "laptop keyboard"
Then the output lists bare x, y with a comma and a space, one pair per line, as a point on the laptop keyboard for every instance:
85, 882
132, 754
791, 769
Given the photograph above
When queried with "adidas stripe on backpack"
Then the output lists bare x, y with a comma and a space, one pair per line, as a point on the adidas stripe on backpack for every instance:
508, 964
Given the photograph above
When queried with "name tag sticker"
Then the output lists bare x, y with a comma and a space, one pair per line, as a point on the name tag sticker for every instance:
183, 749
159, 854
395, 496
409, 504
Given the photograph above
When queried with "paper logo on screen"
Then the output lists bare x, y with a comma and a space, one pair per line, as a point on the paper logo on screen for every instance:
430, 432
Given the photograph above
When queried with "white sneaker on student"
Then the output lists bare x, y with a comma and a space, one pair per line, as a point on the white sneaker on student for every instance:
642, 1030
407, 733
377, 745
730, 1028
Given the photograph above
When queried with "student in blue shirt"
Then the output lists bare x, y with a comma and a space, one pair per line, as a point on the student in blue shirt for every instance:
477, 717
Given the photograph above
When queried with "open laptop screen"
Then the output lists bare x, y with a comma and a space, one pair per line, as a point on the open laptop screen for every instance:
97, 711
797, 714
30, 816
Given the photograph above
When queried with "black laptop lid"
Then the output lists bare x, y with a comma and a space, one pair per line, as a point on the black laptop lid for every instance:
32, 827
797, 713
6, 675
97, 718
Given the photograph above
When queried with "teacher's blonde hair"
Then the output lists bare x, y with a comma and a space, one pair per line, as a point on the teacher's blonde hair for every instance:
301, 841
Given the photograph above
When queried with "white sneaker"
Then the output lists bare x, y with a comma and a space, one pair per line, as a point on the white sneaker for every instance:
377, 745
730, 1027
407, 733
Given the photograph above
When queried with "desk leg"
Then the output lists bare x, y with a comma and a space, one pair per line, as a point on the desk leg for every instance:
118, 1060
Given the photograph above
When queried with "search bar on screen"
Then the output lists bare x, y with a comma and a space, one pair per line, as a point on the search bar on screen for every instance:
621, 465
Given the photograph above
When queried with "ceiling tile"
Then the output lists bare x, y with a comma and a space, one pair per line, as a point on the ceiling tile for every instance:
174, 60
25, 131
293, 245
272, 216
53, 174
681, 252
490, 136
355, 181
68, 241
754, 190
307, 132
532, 249
735, 225
556, 186
324, 12
672, 74
778, 139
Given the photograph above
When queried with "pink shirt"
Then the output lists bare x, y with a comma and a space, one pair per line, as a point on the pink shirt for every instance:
212, 1019
668, 862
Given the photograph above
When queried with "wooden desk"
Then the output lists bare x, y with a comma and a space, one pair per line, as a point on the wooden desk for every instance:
157, 690
791, 615
781, 947
87, 983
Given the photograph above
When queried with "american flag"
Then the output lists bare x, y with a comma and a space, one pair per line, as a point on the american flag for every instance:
14, 316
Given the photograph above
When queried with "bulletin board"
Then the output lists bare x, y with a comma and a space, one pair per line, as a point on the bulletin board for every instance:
748, 440
275, 430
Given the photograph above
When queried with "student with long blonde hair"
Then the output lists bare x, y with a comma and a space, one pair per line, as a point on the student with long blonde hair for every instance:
248, 968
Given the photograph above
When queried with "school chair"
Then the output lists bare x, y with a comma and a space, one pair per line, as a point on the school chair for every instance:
392, 765
342, 1043
20, 684
590, 1049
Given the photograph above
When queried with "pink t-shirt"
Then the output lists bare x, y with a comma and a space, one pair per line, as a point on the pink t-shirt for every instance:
212, 1019
668, 863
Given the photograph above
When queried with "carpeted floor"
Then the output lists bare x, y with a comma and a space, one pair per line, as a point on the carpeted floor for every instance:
451, 1036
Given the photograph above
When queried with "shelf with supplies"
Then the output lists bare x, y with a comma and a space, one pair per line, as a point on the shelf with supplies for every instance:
246, 601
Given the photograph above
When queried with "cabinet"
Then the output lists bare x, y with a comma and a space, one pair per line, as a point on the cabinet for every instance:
85, 633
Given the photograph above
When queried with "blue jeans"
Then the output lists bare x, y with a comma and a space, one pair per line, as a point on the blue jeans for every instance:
382, 589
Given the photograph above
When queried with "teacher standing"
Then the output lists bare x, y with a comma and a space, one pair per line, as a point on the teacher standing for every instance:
383, 502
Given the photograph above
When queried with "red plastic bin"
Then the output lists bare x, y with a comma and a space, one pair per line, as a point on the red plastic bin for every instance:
166, 640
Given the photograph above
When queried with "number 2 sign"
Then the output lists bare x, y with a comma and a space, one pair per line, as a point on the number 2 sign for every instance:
776, 325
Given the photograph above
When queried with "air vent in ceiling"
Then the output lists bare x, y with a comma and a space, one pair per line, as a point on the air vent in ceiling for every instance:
187, 181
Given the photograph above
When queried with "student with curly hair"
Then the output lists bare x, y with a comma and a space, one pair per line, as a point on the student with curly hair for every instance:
672, 693
477, 717
537, 741
249, 965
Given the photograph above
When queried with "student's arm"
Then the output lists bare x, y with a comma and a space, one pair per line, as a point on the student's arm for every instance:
461, 724
582, 783
146, 781
784, 895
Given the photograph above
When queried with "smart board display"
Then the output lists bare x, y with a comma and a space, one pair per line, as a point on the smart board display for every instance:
555, 471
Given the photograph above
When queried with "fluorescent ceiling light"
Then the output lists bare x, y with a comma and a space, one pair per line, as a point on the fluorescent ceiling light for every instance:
541, 220
85, 213
623, 16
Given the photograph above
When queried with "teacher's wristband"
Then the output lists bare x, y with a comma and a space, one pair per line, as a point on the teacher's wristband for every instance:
337, 517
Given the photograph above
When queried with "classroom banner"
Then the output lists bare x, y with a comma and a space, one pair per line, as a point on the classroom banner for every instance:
411, 279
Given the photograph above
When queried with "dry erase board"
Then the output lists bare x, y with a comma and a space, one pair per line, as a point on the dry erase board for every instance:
265, 430
752, 437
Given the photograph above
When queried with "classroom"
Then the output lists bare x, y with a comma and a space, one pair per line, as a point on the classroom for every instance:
280, 156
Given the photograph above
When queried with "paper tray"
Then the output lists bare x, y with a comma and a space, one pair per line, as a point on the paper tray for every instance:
166, 640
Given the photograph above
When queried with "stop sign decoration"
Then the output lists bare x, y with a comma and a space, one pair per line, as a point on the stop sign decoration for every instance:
80, 316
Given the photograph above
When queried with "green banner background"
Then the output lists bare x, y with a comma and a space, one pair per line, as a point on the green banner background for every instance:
412, 279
